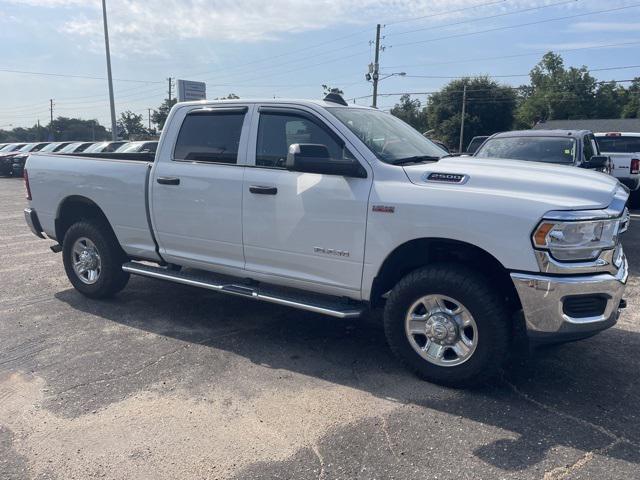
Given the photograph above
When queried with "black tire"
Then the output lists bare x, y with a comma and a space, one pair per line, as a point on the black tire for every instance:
484, 304
111, 278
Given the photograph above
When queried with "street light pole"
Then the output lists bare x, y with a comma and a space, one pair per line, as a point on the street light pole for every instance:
114, 134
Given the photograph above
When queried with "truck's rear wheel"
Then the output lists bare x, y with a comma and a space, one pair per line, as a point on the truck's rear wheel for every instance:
448, 325
93, 259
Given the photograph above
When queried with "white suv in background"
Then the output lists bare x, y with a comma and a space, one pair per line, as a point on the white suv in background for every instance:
624, 150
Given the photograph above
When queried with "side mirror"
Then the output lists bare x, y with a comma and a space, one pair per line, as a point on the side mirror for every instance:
315, 158
597, 162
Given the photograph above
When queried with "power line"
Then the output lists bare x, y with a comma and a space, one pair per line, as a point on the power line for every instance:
440, 14
67, 75
478, 19
624, 67
520, 25
503, 57
358, 32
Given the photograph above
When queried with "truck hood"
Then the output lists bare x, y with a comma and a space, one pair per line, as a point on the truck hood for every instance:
558, 187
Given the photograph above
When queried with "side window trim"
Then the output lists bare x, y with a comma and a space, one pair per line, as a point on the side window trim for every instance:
210, 111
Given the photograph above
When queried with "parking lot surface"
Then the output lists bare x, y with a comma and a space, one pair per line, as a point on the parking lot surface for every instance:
167, 381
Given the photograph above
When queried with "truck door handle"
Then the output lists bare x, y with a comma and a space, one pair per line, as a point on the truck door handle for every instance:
262, 190
168, 180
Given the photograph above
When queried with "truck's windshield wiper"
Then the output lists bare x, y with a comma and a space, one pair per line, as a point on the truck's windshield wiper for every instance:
416, 159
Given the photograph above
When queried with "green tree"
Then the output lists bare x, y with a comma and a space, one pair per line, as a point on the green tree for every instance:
66, 129
159, 116
411, 111
560, 93
490, 108
632, 107
131, 124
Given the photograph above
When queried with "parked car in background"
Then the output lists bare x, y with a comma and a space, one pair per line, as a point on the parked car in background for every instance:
11, 147
475, 143
624, 150
563, 147
138, 147
75, 147
54, 147
12, 164
336, 209
104, 147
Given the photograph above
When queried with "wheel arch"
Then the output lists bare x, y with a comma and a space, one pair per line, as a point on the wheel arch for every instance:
74, 208
421, 252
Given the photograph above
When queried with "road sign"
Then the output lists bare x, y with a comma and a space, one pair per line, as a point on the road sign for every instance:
189, 90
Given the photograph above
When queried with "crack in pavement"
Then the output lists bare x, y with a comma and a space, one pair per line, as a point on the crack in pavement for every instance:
386, 434
148, 364
560, 473
560, 413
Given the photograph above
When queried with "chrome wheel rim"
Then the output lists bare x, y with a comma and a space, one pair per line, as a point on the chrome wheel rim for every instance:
441, 330
86, 261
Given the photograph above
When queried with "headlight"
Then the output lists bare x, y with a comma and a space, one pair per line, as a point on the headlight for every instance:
575, 241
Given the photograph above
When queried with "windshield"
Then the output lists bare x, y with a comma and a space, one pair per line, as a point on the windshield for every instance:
96, 147
27, 147
388, 137
129, 147
52, 147
70, 148
619, 144
533, 149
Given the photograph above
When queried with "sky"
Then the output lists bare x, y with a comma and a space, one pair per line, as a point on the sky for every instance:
290, 48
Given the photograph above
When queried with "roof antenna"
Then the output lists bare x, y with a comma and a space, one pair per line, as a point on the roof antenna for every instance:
335, 98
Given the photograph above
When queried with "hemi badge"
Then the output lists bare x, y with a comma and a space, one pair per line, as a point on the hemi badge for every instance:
445, 177
383, 208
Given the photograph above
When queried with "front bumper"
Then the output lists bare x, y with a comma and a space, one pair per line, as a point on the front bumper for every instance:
31, 217
543, 303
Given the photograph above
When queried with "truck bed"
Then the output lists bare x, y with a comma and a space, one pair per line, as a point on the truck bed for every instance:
117, 185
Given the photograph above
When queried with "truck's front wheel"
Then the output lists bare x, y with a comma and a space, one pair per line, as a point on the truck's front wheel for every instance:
93, 259
448, 325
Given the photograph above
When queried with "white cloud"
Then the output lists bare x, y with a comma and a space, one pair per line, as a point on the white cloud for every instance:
149, 27
247, 20
606, 27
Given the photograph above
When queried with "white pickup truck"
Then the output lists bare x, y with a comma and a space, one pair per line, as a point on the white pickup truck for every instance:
624, 150
339, 209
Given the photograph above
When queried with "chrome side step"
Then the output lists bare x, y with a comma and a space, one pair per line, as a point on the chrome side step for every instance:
332, 306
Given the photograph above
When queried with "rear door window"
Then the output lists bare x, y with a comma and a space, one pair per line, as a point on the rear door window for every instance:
211, 136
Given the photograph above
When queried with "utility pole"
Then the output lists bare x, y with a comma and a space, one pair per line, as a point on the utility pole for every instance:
464, 108
114, 133
170, 85
376, 68
39, 130
149, 114
51, 121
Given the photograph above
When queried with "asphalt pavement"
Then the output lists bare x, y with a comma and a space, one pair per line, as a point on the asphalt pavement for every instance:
167, 381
